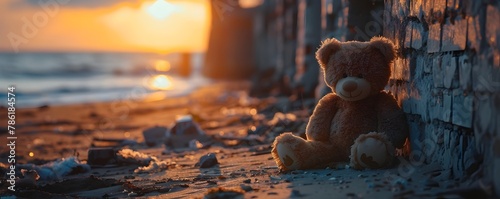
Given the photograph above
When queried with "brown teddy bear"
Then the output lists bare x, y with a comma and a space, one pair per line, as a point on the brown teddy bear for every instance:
358, 121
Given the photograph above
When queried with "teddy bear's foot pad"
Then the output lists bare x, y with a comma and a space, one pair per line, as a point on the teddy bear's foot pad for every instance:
371, 151
287, 157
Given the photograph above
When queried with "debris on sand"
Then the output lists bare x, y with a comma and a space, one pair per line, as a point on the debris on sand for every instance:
129, 156
153, 166
28, 179
224, 193
101, 156
148, 163
80, 184
155, 135
183, 132
58, 169
246, 188
207, 161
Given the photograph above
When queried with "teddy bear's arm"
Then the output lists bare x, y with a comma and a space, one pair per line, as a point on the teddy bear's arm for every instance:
319, 125
392, 120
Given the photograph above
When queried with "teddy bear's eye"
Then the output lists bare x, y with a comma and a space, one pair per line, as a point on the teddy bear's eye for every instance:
360, 75
344, 75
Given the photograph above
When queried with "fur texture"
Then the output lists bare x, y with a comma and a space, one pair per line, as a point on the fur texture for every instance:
336, 123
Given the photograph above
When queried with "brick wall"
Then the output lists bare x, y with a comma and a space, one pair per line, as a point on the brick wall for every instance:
447, 78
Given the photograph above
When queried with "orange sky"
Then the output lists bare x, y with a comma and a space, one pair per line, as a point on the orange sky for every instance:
125, 26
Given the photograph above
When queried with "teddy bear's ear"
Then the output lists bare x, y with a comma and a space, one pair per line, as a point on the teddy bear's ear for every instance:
385, 46
327, 49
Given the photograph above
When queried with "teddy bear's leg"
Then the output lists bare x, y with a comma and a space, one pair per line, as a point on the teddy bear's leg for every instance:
372, 150
292, 152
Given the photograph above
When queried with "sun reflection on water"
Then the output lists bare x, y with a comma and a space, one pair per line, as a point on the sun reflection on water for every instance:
160, 82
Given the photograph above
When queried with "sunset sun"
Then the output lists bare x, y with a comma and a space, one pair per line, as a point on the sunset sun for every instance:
161, 9
161, 26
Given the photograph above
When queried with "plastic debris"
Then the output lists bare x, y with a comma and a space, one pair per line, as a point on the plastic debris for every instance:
57, 169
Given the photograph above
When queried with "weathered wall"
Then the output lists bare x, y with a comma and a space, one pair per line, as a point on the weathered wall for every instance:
447, 77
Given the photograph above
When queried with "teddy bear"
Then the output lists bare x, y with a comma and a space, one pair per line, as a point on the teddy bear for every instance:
358, 122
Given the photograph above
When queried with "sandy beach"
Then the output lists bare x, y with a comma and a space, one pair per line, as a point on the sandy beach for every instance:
240, 130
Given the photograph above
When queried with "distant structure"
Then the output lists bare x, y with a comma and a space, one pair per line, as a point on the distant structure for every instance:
446, 75
230, 54
185, 64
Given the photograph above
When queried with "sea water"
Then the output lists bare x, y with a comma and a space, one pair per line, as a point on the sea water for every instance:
69, 78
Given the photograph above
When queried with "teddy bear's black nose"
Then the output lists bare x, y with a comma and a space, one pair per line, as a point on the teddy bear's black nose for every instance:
350, 86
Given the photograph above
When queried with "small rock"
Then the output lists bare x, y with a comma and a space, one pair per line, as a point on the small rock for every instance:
247, 181
207, 161
246, 188
155, 135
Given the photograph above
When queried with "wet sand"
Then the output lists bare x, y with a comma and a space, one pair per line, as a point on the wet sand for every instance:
241, 130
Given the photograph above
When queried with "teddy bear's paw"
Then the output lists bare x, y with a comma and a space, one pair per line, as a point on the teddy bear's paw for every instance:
371, 150
286, 159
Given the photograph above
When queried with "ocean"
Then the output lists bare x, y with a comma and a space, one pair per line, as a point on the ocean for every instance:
69, 78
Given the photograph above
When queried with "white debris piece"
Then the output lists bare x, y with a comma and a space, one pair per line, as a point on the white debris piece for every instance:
148, 163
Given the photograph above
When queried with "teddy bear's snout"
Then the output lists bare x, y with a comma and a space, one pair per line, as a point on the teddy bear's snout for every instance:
350, 86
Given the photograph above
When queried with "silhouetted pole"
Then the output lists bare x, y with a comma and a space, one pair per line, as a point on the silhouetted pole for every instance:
185, 65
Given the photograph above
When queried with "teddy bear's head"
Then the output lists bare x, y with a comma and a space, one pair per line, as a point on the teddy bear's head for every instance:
355, 70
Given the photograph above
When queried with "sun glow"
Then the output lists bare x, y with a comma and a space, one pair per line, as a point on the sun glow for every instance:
160, 82
162, 66
162, 26
161, 9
